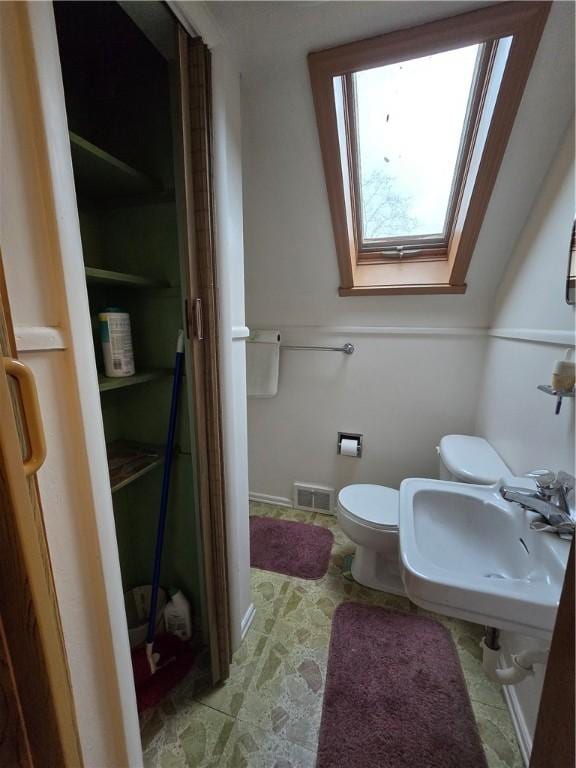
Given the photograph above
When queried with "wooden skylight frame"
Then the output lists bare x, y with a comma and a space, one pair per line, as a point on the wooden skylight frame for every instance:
511, 32
420, 247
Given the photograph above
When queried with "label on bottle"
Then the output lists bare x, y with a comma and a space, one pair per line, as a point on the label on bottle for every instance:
116, 338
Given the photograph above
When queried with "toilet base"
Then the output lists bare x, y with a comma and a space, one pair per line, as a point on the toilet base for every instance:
375, 570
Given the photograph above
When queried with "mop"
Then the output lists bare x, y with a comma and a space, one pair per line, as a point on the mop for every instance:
166, 659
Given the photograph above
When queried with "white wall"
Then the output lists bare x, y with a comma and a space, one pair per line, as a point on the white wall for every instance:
518, 419
229, 248
291, 269
401, 391
404, 392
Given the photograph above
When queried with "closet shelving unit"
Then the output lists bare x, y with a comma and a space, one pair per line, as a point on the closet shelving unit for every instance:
104, 178
118, 74
101, 177
129, 461
106, 384
110, 277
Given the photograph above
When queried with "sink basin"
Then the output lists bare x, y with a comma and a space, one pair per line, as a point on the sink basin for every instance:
465, 552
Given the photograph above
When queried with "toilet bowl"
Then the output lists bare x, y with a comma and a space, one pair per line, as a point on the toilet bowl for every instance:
369, 514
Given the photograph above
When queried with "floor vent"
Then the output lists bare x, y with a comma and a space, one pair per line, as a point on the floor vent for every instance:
316, 498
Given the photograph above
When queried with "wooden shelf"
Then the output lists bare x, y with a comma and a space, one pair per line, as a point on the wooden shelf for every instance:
109, 277
106, 383
100, 175
128, 461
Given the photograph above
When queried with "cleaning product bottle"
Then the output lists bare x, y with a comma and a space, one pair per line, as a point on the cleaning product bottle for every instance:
177, 615
116, 339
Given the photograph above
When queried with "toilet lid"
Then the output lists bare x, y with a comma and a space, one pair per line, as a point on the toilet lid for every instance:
373, 504
472, 459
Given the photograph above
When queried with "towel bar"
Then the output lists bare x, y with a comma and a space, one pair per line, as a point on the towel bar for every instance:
347, 349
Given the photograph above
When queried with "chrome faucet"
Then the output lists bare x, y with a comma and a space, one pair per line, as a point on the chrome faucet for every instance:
552, 500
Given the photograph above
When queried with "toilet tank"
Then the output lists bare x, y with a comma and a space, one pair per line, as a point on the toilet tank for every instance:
470, 459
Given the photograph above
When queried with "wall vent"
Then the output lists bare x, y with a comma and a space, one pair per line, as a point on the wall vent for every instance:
316, 498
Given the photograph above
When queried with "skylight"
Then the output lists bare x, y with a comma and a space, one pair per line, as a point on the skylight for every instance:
411, 118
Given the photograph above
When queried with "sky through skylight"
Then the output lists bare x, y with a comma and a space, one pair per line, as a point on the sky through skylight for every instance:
410, 122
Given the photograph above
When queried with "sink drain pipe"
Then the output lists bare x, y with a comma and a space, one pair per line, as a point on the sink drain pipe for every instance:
522, 663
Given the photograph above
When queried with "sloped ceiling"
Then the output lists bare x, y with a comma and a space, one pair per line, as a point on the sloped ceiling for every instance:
291, 269
266, 34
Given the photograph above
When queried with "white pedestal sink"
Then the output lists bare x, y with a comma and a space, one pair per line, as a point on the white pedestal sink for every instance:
465, 552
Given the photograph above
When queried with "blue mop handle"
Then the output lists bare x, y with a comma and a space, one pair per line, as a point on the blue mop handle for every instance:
168, 455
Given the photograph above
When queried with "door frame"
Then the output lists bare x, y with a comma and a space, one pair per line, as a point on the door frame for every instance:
198, 21
106, 708
554, 734
31, 634
194, 149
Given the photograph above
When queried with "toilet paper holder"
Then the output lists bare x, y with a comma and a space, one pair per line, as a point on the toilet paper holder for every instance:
350, 436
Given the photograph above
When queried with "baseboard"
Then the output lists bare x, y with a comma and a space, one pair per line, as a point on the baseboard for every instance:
264, 498
519, 723
247, 621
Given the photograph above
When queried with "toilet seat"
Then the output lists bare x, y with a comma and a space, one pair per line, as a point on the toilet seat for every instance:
375, 506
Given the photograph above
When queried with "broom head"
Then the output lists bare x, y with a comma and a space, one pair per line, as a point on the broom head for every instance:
175, 661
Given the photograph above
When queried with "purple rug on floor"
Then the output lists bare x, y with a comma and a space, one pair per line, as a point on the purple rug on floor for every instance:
294, 549
395, 695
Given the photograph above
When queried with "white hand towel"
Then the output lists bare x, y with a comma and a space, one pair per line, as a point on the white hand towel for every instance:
262, 363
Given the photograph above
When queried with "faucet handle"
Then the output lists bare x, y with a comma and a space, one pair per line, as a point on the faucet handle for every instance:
567, 480
568, 490
545, 479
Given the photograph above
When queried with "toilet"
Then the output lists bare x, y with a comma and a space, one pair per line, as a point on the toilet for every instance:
369, 514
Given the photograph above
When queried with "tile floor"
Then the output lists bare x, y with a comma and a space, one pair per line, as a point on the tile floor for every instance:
268, 713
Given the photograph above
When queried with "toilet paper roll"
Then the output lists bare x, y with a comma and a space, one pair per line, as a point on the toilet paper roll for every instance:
349, 447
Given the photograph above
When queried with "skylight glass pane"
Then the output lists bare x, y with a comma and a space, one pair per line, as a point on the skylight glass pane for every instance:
410, 121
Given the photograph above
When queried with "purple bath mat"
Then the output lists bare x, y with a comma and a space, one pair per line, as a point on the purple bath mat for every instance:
295, 549
395, 695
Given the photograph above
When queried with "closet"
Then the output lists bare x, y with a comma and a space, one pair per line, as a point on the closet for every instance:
125, 70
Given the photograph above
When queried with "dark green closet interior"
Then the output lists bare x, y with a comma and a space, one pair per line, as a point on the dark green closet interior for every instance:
118, 89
